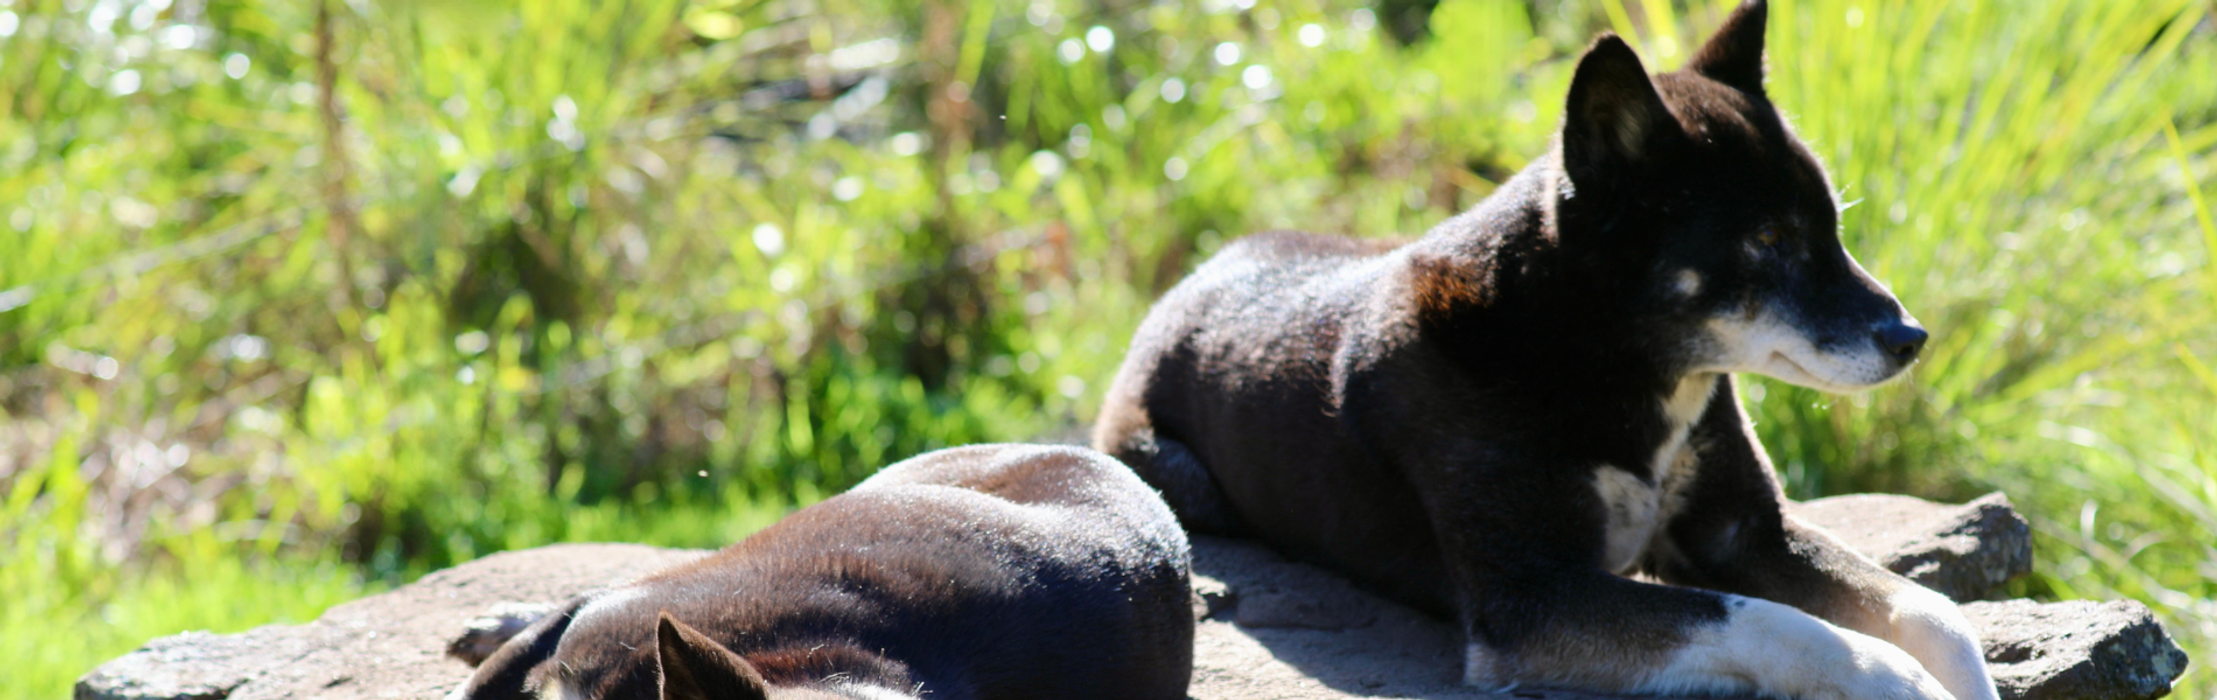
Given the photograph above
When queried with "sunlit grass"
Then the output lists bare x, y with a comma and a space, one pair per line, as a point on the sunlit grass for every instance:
656, 271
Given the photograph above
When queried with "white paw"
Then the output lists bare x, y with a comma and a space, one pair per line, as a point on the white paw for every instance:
1882, 671
1772, 650
1929, 627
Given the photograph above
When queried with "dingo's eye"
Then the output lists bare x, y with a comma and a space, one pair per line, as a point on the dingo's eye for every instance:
1768, 236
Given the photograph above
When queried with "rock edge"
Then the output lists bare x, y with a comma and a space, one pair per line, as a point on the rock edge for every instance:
1269, 628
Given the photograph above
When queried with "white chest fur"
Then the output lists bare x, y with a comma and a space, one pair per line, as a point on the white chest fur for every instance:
1635, 507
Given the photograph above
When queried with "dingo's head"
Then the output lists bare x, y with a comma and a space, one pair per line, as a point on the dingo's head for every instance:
1696, 198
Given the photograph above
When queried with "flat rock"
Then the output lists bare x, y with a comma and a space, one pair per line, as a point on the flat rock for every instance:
2076, 650
202, 666
1317, 636
1266, 591
390, 645
1966, 552
1269, 628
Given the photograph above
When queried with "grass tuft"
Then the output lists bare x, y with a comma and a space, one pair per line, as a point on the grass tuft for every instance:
658, 271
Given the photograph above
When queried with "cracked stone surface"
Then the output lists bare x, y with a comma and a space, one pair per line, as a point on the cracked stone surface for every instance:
390, 645
1270, 628
2076, 650
1317, 636
1966, 552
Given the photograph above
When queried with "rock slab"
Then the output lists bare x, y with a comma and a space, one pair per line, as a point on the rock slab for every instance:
1270, 628
1288, 630
2076, 650
1344, 643
1966, 552
390, 645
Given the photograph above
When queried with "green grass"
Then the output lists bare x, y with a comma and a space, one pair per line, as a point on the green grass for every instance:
656, 271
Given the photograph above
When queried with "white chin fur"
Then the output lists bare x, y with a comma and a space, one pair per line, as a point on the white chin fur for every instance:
1771, 347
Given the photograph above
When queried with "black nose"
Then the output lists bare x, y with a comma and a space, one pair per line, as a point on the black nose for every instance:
1901, 340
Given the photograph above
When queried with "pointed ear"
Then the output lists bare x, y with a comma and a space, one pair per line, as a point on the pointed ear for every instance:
1614, 118
1734, 56
690, 666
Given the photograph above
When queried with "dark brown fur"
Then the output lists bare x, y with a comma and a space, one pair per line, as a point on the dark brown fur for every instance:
990, 572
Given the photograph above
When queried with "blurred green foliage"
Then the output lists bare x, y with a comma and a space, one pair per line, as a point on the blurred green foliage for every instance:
301, 300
